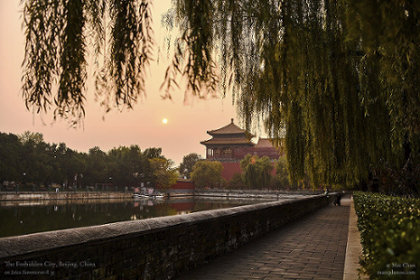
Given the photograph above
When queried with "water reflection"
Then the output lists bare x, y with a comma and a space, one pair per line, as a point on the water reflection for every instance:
17, 218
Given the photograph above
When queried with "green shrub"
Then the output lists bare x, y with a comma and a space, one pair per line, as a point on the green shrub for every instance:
390, 235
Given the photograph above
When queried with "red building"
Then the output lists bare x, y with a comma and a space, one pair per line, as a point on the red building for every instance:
230, 144
182, 187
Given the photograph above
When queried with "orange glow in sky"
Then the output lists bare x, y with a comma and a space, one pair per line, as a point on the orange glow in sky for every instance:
190, 118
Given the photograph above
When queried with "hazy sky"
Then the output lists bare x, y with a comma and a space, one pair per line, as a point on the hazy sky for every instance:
187, 123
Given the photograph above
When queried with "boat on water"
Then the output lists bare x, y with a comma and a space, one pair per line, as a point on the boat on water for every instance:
139, 195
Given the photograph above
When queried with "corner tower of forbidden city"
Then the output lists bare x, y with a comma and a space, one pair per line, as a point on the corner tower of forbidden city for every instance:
230, 144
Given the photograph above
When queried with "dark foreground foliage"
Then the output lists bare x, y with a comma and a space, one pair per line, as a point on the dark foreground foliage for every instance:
390, 235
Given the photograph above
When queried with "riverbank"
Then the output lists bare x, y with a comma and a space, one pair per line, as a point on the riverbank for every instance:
36, 196
212, 193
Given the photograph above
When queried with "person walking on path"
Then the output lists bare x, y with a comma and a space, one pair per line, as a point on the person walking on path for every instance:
337, 201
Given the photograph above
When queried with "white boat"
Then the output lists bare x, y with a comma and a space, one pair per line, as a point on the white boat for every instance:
157, 196
138, 195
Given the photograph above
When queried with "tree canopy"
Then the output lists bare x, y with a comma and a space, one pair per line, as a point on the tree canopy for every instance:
187, 164
256, 172
282, 176
27, 159
342, 77
164, 176
207, 174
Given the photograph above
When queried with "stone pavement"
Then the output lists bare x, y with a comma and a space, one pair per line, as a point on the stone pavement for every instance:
311, 248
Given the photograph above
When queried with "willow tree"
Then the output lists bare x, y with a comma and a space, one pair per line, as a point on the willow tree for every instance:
340, 76
256, 172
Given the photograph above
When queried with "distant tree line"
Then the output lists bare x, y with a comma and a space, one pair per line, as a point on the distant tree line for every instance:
27, 160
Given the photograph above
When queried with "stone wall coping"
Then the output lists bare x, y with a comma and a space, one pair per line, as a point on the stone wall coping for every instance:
247, 191
38, 242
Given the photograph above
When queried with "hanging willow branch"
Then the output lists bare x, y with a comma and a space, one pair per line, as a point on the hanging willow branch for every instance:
131, 46
340, 76
43, 21
193, 56
56, 45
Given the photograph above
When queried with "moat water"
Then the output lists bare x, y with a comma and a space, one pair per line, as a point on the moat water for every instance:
24, 217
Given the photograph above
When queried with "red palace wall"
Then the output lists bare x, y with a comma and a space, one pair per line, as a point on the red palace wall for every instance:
183, 185
239, 153
272, 153
230, 168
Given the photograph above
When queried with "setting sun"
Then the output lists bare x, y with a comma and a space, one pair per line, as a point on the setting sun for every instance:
164, 120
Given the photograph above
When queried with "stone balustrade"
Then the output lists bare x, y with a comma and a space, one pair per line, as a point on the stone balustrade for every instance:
157, 248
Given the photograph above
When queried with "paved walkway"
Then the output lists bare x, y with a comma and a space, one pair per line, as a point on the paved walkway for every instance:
311, 248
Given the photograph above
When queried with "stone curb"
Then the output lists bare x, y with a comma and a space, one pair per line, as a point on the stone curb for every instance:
354, 248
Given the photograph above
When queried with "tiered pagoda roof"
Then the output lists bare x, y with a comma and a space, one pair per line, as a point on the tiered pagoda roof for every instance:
230, 134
